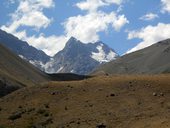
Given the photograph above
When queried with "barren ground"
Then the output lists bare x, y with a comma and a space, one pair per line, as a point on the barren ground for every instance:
99, 102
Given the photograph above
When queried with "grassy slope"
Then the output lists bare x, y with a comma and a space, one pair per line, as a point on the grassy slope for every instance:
151, 60
115, 101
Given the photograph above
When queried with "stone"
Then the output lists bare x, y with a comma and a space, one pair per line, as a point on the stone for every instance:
154, 94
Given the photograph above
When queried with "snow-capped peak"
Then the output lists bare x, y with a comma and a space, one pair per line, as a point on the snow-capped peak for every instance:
80, 58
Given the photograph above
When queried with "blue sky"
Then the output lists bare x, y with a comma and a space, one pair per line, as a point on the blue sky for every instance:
124, 25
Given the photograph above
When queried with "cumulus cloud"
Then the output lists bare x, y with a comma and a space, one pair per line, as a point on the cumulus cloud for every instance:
165, 6
149, 16
90, 5
87, 27
50, 45
30, 13
93, 5
150, 35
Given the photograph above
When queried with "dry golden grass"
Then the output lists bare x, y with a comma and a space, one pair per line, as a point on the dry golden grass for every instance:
139, 101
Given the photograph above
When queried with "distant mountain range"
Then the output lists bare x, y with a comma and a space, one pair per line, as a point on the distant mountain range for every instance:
80, 58
151, 60
76, 57
16, 73
23, 49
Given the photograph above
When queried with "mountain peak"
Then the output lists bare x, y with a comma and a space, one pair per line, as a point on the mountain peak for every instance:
73, 42
73, 38
81, 58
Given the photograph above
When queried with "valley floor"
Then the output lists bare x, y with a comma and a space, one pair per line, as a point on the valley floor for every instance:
98, 102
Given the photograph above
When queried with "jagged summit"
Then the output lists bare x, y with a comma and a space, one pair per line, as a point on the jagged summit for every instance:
76, 57
72, 41
81, 58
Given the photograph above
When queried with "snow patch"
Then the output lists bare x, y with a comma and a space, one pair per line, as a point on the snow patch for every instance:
72, 71
22, 57
38, 64
111, 55
101, 56
48, 66
61, 68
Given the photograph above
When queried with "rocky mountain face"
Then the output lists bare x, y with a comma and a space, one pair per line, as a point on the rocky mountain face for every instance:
16, 73
151, 60
80, 58
76, 57
23, 49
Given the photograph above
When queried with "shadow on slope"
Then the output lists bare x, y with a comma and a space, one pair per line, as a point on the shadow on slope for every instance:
67, 77
16, 73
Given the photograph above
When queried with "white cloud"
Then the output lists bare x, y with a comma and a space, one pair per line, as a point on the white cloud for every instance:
87, 27
165, 6
34, 19
119, 22
50, 45
90, 5
30, 13
149, 16
150, 35
93, 5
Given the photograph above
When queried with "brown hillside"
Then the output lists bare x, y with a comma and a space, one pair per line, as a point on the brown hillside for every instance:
99, 102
